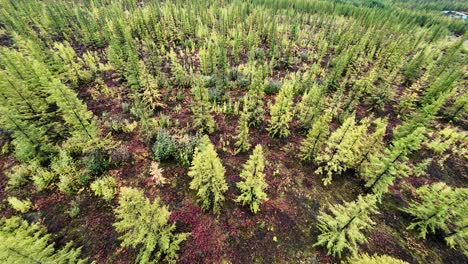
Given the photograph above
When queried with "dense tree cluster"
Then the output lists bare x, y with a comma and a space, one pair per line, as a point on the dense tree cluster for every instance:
239, 108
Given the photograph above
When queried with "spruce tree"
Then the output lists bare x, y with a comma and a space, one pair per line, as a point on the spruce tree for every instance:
145, 226
21, 242
343, 228
438, 204
282, 112
316, 137
207, 174
253, 185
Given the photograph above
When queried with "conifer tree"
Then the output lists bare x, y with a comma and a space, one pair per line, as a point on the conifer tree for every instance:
207, 174
310, 105
282, 112
21, 242
73, 70
374, 259
446, 142
438, 203
145, 225
316, 137
242, 138
254, 98
372, 144
458, 238
382, 168
202, 118
253, 185
343, 228
342, 148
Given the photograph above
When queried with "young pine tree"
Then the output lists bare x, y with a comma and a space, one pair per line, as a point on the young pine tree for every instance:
253, 185
207, 174
343, 229
282, 111
145, 225
438, 204
21, 242
316, 137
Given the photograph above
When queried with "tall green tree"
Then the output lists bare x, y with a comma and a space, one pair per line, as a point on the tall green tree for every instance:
342, 149
282, 111
145, 226
384, 167
207, 174
343, 228
438, 204
21, 242
242, 138
253, 185
202, 118
254, 98
310, 105
316, 137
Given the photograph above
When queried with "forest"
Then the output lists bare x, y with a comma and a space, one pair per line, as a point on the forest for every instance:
233, 131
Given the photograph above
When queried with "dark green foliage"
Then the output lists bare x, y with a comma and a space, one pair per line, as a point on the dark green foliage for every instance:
165, 147
97, 162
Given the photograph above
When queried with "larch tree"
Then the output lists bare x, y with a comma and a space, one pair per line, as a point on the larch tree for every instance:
458, 238
310, 105
242, 137
282, 111
207, 173
438, 204
145, 226
342, 148
22, 242
254, 98
316, 137
253, 185
374, 259
343, 228
384, 167
202, 118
